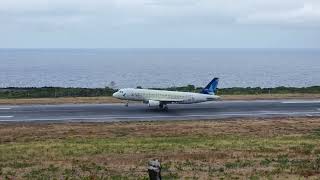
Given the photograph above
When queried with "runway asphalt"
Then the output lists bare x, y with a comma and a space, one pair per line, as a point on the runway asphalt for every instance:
137, 112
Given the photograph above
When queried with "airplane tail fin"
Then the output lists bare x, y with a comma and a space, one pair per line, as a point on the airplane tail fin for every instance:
211, 87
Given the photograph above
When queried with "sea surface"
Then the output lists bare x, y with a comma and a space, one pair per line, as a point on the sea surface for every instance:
159, 67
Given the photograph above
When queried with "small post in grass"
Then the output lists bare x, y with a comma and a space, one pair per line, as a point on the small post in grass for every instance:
154, 170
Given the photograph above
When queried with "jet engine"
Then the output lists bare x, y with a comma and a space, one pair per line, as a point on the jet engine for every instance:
152, 103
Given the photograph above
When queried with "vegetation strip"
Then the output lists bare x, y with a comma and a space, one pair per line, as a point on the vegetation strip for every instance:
54, 92
237, 148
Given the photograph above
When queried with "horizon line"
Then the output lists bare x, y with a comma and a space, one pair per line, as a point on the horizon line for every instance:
75, 48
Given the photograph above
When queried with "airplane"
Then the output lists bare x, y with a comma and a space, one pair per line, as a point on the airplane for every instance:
161, 98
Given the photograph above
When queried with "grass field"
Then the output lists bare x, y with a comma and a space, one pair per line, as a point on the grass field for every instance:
282, 148
107, 99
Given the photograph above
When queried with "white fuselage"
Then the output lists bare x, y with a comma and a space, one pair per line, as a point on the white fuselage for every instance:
162, 96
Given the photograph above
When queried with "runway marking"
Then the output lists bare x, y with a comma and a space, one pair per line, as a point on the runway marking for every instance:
300, 102
115, 118
6, 116
5, 108
270, 113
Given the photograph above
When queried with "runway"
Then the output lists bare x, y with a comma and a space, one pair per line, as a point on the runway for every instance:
141, 112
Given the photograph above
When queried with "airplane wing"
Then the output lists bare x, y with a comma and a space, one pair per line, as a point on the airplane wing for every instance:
168, 101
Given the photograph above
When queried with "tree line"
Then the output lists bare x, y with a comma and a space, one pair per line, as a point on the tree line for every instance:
55, 92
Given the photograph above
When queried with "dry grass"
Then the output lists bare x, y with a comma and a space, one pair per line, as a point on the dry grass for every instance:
66, 100
24, 132
102, 100
271, 96
281, 148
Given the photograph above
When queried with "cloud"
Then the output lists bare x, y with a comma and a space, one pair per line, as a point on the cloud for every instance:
144, 12
129, 22
308, 14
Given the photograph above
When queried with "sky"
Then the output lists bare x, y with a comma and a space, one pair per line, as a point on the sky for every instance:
160, 24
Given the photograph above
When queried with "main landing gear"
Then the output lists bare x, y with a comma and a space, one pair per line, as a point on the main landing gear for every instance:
127, 104
163, 107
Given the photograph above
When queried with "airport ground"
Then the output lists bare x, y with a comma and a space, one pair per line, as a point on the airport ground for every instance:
263, 146
108, 99
236, 148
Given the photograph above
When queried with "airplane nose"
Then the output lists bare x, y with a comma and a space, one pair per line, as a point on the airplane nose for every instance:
115, 94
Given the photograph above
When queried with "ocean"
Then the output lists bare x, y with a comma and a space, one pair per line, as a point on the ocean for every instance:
159, 67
